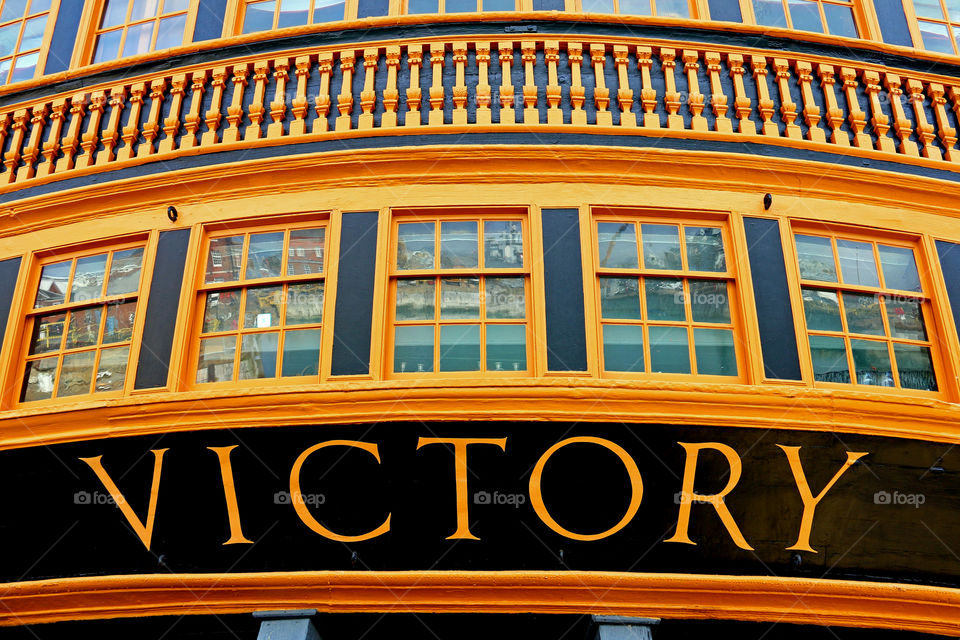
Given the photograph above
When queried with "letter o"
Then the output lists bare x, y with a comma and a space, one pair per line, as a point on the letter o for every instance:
636, 488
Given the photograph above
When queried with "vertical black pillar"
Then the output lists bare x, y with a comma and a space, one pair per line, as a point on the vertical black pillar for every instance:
778, 336
162, 309
353, 318
210, 14
563, 291
64, 36
9, 274
949, 254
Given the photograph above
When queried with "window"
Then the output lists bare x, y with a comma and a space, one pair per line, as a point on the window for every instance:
264, 15
25, 26
820, 16
664, 292
129, 27
460, 288
262, 311
938, 25
665, 8
458, 6
865, 312
81, 325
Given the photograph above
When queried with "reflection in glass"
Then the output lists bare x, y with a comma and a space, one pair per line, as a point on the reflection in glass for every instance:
928, 9
222, 311
502, 244
805, 15
899, 267
635, 7
301, 352
415, 299
423, 6
709, 301
857, 264
265, 255
33, 33
413, 349
871, 359
915, 367
459, 6
84, 327
53, 284
258, 16
114, 13
262, 309
664, 297
138, 39
623, 347
816, 258
328, 10
25, 67
293, 13
669, 351
144, 9
505, 298
935, 37
223, 259
459, 246
112, 369
840, 20
863, 313
38, 379
258, 356
76, 374
829, 355
506, 347
459, 299
822, 310
617, 245
716, 355
88, 278
118, 325
305, 253
499, 5
905, 318
170, 6
597, 6
415, 245
460, 347
620, 298
47, 333
673, 8
125, 272
216, 359
108, 46
705, 249
170, 32
8, 39
305, 303
661, 246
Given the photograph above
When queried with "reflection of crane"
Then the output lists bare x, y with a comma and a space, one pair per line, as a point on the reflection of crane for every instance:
603, 262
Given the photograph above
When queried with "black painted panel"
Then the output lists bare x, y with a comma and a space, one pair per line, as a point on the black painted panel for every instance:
778, 339
950, 264
162, 309
64, 36
353, 319
210, 14
563, 291
893, 22
9, 272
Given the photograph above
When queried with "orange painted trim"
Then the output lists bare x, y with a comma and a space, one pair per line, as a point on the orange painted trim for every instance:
663, 595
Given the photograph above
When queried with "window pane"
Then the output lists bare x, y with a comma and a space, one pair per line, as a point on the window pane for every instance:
53, 284
38, 379
88, 278
223, 259
816, 258
872, 362
301, 353
505, 298
265, 255
620, 298
170, 32
459, 299
502, 244
25, 67
915, 367
709, 301
857, 264
415, 245
305, 303
726, 10
705, 249
308, 252
258, 356
863, 313
669, 352
415, 299
805, 15
118, 326
635, 7
458, 244
460, 347
114, 13
327, 11
617, 244
822, 310
84, 328
33, 33
460, 6
899, 268
598, 6
8, 39
112, 369
661, 246
216, 359
144, 9
673, 8
928, 9
371, 8
263, 307
258, 17
4, 70
13, 9
423, 6
829, 355
664, 297
222, 311
76, 374
499, 5
935, 37
47, 333
138, 39
623, 347
39, 5
170, 6
293, 13
953, 10
108, 46
506, 347
413, 349
840, 20
125, 272
715, 353
905, 318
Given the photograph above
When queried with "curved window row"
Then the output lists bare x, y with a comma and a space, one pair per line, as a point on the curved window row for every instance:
462, 294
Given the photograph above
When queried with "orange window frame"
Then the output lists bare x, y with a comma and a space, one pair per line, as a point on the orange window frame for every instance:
93, 17
239, 13
952, 27
41, 51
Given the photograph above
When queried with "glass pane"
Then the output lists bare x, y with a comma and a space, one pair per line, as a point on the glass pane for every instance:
715, 353
222, 311
84, 328
262, 309
8, 39
415, 299
125, 272
673, 8
4, 70
118, 326
598, 6
617, 245
502, 244
661, 246
460, 347
223, 259
499, 5
506, 347
38, 379
725, 10
144, 9
915, 367
635, 7
47, 333
669, 352
170, 32
664, 297
293, 13
816, 258
328, 11
863, 313
265, 255
953, 9
620, 298
805, 15
301, 353
709, 301
53, 284
33, 33
171, 6
112, 369
905, 318
623, 347
840, 20
928, 9
829, 355
39, 5
871, 359
899, 268
25, 67
305, 303
258, 356
415, 245
108, 46
371, 8
460, 6
505, 298
88, 278
935, 37
305, 253
857, 264
216, 359
258, 17
114, 13
413, 349
76, 374
13, 9
423, 6
138, 40
822, 310
459, 246
459, 298
705, 249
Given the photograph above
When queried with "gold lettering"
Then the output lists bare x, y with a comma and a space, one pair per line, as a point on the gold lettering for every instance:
230, 495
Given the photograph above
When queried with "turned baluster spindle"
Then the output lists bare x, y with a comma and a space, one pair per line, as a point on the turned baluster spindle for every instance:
437, 53
764, 102
878, 119
811, 112
671, 97
577, 91
718, 99
484, 93
507, 113
130, 132
321, 104
648, 93
601, 94
414, 92
256, 110
460, 85
191, 122
901, 125
71, 141
278, 106
925, 132
91, 137
11, 160
551, 55
171, 125
528, 51
948, 134
51, 148
38, 118
235, 110
213, 116
742, 105
834, 113
111, 135
695, 99
391, 96
621, 59
368, 97
788, 108
857, 118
